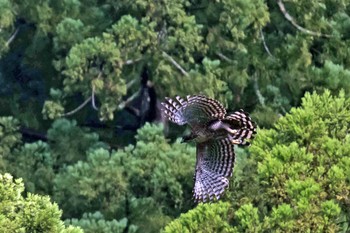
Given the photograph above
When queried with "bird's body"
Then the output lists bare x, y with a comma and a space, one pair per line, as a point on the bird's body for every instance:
199, 135
215, 134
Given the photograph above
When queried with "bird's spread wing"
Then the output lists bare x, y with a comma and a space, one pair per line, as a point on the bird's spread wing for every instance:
244, 126
194, 110
215, 161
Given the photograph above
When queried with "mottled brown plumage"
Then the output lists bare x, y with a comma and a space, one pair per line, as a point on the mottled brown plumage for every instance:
215, 133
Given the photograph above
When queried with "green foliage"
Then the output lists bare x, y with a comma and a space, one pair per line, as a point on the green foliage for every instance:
7, 16
39, 162
95, 223
231, 50
332, 76
148, 183
204, 218
96, 184
9, 136
301, 166
164, 36
69, 32
69, 142
247, 219
58, 56
33, 213
52, 110
35, 163
7, 19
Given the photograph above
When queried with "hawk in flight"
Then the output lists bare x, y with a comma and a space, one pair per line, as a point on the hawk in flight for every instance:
215, 133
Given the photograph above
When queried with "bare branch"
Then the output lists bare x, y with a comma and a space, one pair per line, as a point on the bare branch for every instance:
93, 103
222, 56
293, 22
12, 38
261, 98
93, 98
131, 83
78, 108
264, 43
129, 62
133, 110
175, 63
131, 98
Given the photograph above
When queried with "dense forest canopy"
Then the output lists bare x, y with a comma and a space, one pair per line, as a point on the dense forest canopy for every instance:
84, 148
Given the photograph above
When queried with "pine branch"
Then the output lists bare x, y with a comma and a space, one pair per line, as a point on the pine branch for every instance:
297, 26
175, 63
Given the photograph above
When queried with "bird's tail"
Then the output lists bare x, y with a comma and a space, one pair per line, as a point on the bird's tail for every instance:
243, 127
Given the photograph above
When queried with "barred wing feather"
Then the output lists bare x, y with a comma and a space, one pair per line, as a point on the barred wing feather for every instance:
194, 110
215, 161
244, 125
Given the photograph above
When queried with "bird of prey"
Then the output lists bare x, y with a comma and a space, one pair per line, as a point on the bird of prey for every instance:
215, 133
